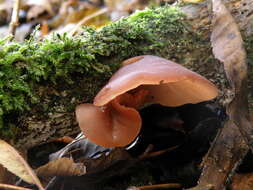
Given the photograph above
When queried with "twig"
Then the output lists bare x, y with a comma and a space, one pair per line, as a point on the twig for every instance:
207, 187
158, 186
87, 18
5, 186
148, 154
14, 18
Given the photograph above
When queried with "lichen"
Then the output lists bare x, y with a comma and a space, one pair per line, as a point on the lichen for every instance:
61, 63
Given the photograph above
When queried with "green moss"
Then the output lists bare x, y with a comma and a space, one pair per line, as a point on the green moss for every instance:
24, 67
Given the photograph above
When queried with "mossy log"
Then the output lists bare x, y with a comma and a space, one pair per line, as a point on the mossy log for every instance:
43, 80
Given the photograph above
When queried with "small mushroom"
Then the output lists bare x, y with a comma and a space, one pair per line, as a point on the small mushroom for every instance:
113, 120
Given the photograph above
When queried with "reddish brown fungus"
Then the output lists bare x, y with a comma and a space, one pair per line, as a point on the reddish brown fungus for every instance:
113, 120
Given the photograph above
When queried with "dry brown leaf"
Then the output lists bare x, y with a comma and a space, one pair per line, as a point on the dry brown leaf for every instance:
111, 163
228, 47
242, 182
11, 159
229, 147
227, 43
61, 167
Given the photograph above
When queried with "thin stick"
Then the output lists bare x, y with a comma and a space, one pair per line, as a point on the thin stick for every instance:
14, 18
147, 155
87, 18
158, 186
207, 187
5, 186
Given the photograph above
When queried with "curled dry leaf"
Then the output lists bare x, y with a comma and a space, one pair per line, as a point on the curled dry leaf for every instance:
99, 170
11, 160
228, 47
227, 44
61, 167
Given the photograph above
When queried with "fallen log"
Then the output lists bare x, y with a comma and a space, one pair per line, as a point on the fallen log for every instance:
47, 79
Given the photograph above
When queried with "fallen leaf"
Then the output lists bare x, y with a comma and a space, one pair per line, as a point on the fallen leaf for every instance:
228, 47
99, 170
229, 148
11, 160
61, 167
227, 43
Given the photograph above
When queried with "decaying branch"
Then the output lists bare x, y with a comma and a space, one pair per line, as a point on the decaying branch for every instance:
229, 147
223, 157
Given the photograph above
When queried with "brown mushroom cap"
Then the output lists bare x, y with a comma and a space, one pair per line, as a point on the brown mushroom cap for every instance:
168, 83
114, 125
113, 119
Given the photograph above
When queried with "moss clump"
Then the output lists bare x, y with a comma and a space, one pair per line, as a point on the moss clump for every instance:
24, 67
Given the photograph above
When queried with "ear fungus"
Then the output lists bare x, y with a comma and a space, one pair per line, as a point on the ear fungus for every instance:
113, 120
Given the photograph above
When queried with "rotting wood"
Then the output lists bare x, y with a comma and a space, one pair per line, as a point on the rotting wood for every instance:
222, 159
58, 123
229, 148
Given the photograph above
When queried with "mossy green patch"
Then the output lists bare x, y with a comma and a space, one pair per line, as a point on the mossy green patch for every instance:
26, 66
